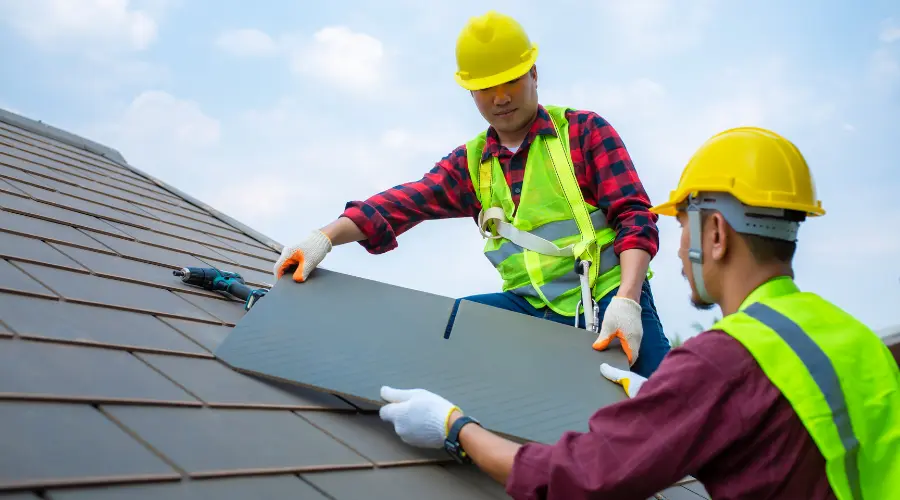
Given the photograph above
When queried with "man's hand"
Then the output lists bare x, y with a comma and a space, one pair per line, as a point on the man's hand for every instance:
630, 381
622, 319
304, 256
420, 418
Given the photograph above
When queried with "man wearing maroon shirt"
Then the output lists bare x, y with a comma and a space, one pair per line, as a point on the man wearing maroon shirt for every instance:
751, 408
605, 174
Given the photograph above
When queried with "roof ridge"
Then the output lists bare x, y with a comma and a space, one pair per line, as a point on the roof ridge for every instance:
110, 154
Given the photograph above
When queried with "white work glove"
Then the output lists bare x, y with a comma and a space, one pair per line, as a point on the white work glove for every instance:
622, 319
630, 381
306, 256
419, 417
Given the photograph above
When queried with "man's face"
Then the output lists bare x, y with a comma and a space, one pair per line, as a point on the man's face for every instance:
687, 270
510, 106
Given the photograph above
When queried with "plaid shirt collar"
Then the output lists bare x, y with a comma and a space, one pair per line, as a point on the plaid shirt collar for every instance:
542, 125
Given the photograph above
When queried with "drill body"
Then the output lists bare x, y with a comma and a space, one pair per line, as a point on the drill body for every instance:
220, 281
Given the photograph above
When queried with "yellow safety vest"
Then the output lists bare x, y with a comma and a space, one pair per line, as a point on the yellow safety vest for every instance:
534, 247
839, 378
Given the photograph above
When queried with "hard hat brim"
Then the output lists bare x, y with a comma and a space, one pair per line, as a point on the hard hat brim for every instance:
499, 78
670, 207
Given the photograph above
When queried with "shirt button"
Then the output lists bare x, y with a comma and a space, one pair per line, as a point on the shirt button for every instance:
518, 190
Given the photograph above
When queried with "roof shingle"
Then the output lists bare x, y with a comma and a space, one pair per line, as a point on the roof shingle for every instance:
109, 387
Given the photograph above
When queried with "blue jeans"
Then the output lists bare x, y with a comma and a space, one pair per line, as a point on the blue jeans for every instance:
654, 344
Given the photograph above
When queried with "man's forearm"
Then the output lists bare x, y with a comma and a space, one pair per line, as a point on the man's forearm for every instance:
491, 453
343, 230
634, 263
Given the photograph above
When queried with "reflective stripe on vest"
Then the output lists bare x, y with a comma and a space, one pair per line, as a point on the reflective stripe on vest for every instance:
822, 371
554, 289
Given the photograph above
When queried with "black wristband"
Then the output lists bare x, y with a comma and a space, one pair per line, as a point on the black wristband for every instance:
451, 443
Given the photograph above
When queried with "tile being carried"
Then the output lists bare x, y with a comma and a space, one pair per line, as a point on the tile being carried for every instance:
216, 384
53, 443
67, 321
267, 487
83, 373
205, 441
303, 333
114, 293
395, 337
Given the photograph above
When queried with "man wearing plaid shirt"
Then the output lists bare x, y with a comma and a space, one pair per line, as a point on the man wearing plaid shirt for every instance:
528, 179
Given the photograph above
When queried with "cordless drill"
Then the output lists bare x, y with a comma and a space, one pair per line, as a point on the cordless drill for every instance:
221, 281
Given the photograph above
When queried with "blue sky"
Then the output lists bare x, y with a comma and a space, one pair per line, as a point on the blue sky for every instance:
278, 115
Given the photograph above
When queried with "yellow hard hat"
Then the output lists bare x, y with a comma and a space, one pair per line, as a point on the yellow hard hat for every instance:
757, 166
492, 49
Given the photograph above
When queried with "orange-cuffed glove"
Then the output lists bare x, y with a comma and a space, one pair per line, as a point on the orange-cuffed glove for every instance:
302, 258
622, 320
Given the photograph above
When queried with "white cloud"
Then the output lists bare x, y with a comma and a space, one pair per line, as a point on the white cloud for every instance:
890, 31
247, 42
170, 138
81, 25
345, 58
336, 55
157, 116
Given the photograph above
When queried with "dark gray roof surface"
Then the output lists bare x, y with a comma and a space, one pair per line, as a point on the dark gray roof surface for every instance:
109, 387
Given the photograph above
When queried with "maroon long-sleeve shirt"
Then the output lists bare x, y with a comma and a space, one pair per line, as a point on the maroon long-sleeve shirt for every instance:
709, 411
603, 168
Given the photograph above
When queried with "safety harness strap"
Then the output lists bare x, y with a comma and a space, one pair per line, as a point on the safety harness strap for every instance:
522, 238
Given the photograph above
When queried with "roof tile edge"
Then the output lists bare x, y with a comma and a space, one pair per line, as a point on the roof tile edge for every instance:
51, 132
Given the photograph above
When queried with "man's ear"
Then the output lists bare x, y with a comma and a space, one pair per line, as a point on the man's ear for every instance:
717, 229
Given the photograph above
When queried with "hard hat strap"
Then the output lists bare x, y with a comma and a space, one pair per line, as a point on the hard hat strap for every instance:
695, 254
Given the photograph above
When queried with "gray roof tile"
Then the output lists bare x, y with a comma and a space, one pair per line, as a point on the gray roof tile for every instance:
216, 384
31, 369
70, 322
78, 287
205, 334
230, 441
372, 438
47, 230
275, 487
26, 249
22, 176
227, 311
142, 251
429, 482
120, 268
14, 280
53, 213
58, 443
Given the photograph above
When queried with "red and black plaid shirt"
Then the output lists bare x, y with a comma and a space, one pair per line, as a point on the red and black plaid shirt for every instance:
603, 168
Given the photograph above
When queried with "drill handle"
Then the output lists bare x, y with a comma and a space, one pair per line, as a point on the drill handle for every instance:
239, 290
